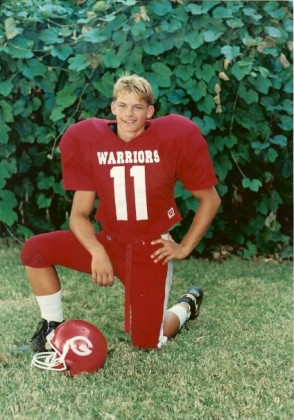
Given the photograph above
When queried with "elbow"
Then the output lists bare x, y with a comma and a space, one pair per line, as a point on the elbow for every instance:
76, 219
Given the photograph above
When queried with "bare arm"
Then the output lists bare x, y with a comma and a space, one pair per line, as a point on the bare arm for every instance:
82, 228
209, 202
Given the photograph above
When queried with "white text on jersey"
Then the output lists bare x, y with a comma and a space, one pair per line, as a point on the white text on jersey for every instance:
127, 156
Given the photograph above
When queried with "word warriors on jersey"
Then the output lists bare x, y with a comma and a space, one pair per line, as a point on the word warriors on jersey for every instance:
127, 156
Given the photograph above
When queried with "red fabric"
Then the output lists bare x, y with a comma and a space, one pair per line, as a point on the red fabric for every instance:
146, 168
145, 281
135, 184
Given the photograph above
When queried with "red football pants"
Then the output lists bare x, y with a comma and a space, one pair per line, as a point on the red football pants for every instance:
147, 285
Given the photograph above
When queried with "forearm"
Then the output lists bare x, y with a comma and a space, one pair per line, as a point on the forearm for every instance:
84, 231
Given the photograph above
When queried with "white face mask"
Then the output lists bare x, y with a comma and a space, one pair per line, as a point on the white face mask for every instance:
54, 360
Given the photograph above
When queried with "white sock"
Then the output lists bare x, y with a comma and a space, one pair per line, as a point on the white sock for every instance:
51, 307
181, 313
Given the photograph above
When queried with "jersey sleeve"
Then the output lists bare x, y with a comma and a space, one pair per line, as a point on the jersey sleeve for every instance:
76, 163
194, 167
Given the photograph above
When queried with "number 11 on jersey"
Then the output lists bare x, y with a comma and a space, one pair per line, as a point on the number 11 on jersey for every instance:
137, 172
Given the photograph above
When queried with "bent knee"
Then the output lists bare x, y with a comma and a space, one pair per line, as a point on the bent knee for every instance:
32, 254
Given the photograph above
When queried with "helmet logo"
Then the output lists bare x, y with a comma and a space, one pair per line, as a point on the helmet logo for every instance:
80, 345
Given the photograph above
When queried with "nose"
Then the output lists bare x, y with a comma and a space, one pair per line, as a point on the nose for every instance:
129, 111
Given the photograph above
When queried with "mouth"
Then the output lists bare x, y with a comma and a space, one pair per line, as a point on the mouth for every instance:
129, 121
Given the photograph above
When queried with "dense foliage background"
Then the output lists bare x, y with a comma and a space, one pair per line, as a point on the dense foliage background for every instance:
227, 65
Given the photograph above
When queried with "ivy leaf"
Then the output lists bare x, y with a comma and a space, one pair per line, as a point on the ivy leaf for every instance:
198, 91
153, 48
185, 73
11, 30
100, 6
274, 10
273, 32
33, 69
222, 13
206, 105
258, 146
191, 204
264, 72
177, 96
262, 85
65, 97
194, 39
78, 63
6, 112
45, 182
7, 204
24, 231
251, 184
230, 52
206, 72
211, 35
57, 114
105, 84
250, 252
20, 48
280, 140
241, 69
222, 167
163, 74
271, 155
50, 36
286, 123
6, 87
250, 96
171, 26
205, 124
43, 201
7, 168
231, 141
251, 12
95, 36
235, 23
288, 88
179, 188
4, 129
62, 52
161, 8
111, 60
194, 9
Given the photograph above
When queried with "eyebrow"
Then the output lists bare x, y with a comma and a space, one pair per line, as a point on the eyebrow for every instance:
124, 103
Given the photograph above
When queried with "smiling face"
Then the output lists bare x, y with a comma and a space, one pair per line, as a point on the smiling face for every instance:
131, 114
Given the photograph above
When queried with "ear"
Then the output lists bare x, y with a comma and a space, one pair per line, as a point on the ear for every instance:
150, 111
113, 108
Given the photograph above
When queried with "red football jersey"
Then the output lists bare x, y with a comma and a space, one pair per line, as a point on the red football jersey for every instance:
135, 180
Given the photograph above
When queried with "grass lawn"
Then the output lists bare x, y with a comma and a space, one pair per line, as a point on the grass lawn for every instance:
234, 362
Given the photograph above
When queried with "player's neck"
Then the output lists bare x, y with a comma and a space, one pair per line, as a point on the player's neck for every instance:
128, 136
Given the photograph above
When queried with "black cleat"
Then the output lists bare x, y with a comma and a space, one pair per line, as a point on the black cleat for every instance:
38, 341
193, 297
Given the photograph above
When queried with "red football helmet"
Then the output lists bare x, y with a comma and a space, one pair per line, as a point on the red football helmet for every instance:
78, 347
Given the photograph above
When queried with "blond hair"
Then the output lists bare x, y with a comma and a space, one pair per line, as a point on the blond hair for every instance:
132, 83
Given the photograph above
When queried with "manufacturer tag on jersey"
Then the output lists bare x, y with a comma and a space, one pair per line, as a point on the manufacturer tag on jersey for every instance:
171, 213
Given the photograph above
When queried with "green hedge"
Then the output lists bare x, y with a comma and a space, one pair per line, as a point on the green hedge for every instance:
224, 64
